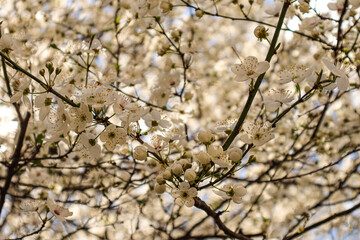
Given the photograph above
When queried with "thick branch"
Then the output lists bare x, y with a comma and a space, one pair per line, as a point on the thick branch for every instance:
15, 159
202, 205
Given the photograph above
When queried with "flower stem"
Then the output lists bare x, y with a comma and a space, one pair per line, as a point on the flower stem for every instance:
252, 93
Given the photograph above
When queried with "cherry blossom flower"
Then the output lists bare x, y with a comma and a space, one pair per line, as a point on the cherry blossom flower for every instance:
296, 73
113, 136
123, 103
257, 134
59, 212
275, 99
8, 43
80, 117
222, 160
31, 205
90, 148
184, 194
234, 192
249, 69
43, 102
158, 143
342, 81
97, 95
155, 120
355, 4
21, 91
275, 9
225, 125
336, 6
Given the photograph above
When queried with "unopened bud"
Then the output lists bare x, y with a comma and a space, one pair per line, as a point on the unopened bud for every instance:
205, 136
50, 67
58, 71
235, 154
160, 188
199, 13
167, 174
304, 7
190, 175
177, 169
160, 179
140, 153
261, 32
165, 7
203, 158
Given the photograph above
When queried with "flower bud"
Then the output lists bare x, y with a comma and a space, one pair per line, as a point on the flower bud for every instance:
304, 7
188, 96
167, 174
205, 136
199, 13
187, 154
203, 158
165, 7
261, 32
239, 190
185, 163
190, 175
235, 154
58, 71
160, 188
42, 72
177, 169
160, 179
215, 151
50, 67
140, 153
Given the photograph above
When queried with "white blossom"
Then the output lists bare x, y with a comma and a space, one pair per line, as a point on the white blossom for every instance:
295, 73
249, 69
234, 192
342, 80
113, 136
257, 133
59, 212
276, 98
184, 194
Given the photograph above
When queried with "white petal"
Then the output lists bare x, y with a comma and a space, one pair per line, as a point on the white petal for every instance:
192, 192
184, 186
328, 64
262, 67
239, 190
180, 201
236, 69
339, 72
342, 83
272, 106
27, 102
16, 97
175, 193
237, 200
189, 202
241, 78
43, 113
258, 142
245, 138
